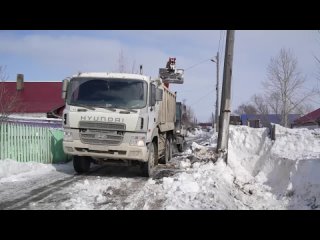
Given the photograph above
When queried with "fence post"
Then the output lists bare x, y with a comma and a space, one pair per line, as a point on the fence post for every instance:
273, 132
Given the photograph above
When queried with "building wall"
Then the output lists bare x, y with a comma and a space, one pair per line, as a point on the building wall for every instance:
40, 115
309, 126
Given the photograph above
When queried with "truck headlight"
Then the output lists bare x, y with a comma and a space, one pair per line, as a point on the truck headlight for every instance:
139, 141
67, 136
178, 131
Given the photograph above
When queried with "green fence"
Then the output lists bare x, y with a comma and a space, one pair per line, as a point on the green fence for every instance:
25, 143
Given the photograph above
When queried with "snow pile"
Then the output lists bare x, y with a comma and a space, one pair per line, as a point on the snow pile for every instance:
248, 148
213, 140
294, 166
288, 166
202, 152
296, 144
261, 174
12, 171
11, 168
195, 132
86, 194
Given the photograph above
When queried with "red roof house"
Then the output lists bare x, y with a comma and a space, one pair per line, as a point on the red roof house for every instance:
31, 98
310, 119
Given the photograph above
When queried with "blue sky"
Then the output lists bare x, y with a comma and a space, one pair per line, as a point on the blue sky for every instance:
54, 55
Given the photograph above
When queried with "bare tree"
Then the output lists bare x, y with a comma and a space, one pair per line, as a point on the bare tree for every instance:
285, 82
189, 117
261, 104
317, 58
8, 102
305, 108
246, 109
122, 63
133, 66
123, 66
212, 119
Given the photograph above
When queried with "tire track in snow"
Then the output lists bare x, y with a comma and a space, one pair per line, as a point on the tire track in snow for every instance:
42, 192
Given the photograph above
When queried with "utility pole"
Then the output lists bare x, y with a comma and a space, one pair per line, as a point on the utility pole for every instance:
217, 92
223, 135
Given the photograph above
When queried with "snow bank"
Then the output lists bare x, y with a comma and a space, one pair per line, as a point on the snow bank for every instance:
296, 144
12, 171
290, 165
196, 132
248, 148
261, 174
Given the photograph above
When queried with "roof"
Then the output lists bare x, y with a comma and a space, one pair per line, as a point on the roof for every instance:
112, 75
309, 118
36, 97
272, 118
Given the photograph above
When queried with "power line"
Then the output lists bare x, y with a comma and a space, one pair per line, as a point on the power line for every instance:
197, 64
314, 101
194, 103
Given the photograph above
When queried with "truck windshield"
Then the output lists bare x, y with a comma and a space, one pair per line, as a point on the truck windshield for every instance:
113, 93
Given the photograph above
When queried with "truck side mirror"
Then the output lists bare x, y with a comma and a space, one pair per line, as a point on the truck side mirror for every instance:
159, 94
153, 95
64, 88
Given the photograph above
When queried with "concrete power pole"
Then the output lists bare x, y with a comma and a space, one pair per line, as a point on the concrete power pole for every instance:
217, 92
223, 135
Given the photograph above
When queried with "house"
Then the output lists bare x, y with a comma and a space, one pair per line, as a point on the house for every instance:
33, 99
310, 120
264, 120
235, 120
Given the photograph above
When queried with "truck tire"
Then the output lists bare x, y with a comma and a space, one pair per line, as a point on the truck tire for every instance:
181, 146
81, 164
148, 167
168, 151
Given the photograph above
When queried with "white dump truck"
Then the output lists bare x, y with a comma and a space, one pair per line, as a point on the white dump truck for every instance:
118, 116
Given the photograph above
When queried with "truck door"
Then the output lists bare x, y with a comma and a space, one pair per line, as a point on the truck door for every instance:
152, 112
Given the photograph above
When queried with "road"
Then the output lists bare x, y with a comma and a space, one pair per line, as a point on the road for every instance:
104, 187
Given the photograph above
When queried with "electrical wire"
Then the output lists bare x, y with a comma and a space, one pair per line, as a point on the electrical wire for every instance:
199, 99
197, 64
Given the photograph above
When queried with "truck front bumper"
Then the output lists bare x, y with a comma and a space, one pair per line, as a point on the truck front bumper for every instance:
124, 151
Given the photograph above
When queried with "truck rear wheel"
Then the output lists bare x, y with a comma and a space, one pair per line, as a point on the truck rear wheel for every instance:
81, 164
181, 146
148, 167
168, 154
168, 151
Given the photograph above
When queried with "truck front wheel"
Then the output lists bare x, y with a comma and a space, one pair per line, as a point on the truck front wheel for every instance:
148, 167
81, 164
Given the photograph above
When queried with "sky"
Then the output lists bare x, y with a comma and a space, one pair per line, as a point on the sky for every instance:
43, 55
261, 174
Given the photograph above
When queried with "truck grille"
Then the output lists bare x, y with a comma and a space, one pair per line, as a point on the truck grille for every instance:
102, 125
101, 133
100, 142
